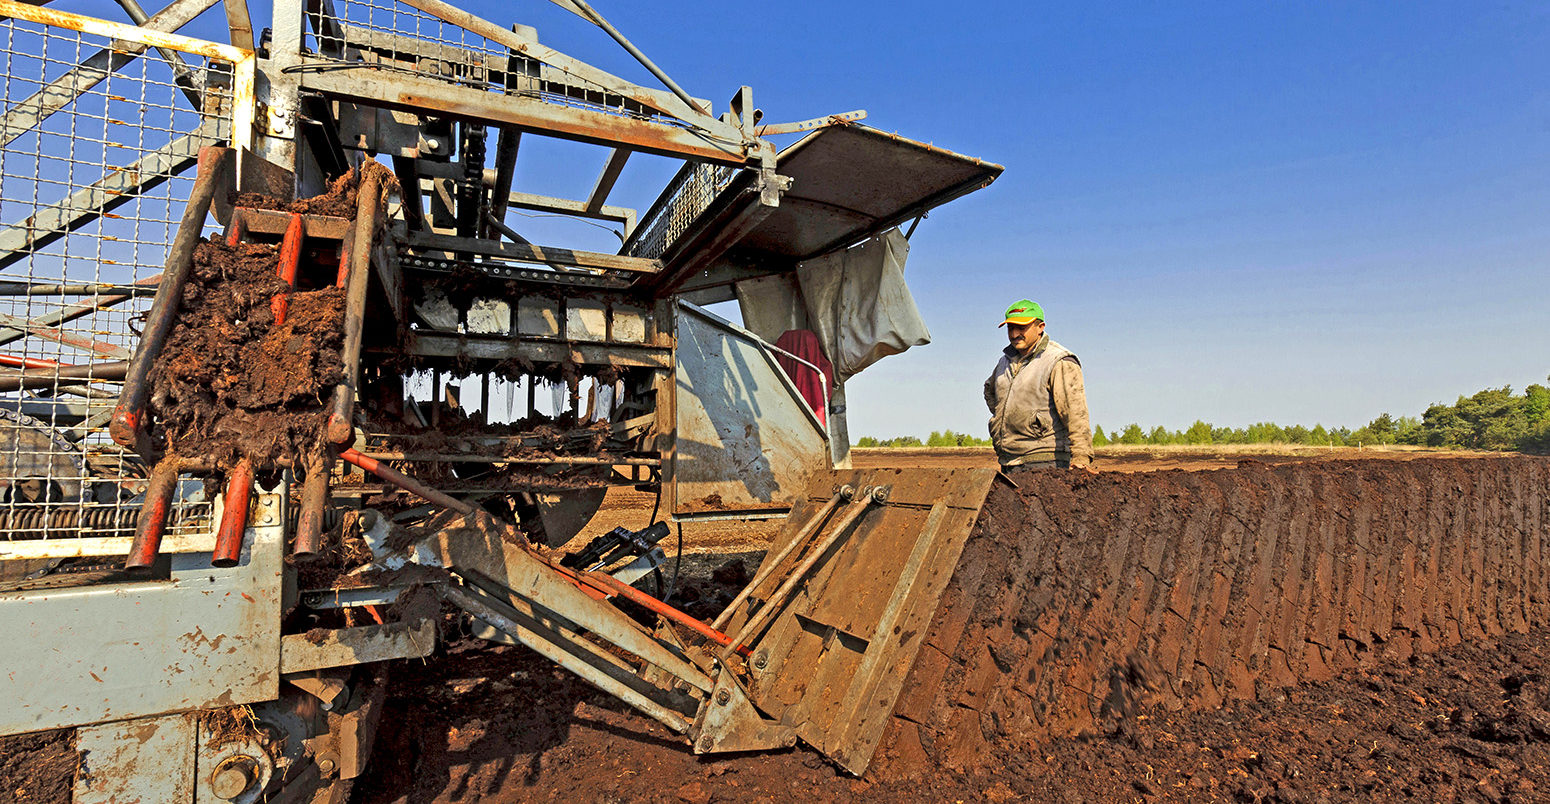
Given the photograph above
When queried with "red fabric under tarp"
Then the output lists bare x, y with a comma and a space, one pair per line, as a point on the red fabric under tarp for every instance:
804, 344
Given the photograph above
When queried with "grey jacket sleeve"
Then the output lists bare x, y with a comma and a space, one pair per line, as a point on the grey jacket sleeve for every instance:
1071, 405
990, 391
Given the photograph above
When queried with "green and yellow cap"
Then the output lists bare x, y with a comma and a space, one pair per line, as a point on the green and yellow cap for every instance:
1023, 312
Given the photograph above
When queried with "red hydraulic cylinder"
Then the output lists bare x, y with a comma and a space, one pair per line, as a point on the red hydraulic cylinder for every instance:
153, 515
404, 481
290, 256
29, 362
652, 604
234, 516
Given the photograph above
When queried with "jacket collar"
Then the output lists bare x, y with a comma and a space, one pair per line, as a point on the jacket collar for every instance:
1014, 356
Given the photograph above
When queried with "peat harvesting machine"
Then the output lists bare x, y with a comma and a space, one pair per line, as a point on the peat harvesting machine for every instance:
290, 364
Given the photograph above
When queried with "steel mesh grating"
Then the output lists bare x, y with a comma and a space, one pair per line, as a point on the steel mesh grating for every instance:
365, 34
688, 196
97, 149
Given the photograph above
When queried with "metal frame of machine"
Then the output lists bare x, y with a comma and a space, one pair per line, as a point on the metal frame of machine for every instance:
206, 642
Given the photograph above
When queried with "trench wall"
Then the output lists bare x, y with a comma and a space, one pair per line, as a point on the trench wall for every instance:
1080, 598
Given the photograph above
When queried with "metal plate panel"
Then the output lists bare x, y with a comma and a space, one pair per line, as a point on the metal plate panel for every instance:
629, 324
538, 316
487, 347
850, 182
744, 441
358, 645
150, 759
208, 637
489, 317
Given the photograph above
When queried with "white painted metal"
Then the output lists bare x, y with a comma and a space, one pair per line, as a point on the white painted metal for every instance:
586, 320
744, 439
207, 637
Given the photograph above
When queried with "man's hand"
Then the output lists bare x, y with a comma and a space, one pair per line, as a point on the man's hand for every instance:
1084, 463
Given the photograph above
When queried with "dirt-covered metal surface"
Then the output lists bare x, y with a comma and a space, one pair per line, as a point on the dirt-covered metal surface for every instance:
242, 375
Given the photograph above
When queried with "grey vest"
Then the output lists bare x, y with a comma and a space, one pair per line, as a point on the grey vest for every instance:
1023, 426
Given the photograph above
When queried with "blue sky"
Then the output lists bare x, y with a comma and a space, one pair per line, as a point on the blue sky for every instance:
1298, 212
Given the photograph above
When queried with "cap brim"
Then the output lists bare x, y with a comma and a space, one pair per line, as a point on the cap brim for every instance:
1018, 321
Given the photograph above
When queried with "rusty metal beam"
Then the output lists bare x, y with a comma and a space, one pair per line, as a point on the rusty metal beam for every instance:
325, 21
240, 24
426, 169
566, 206
375, 45
409, 191
74, 311
322, 132
570, 650
535, 254
214, 178
50, 333
181, 75
560, 460
430, 96
77, 289
344, 647
586, 12
606, 179
843, 118
432, 344
665, 102
276, 222
505, 170
128, 36
49, 377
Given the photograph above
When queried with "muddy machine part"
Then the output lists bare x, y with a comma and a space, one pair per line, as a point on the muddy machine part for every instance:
816, 648
283, 376
825, 634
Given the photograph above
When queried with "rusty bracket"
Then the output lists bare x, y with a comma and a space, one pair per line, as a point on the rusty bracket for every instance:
728, 721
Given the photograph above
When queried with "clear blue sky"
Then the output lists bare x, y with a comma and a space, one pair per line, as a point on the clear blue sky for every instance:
1298, 212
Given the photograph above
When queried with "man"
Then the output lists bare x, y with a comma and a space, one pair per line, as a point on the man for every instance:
1038, 407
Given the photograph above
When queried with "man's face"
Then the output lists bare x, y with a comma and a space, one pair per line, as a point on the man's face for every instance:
1023, 337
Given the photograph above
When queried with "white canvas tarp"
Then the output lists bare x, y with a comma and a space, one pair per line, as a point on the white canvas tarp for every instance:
859, 305
854, 299
771, 305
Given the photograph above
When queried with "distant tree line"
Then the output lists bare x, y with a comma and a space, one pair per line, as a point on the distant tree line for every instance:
945, 438
1493, 419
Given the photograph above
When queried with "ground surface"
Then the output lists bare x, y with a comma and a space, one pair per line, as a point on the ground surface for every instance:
1080, 596
489, 723
1466, 724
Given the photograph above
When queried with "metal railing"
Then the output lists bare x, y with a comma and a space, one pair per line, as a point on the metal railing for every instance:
686, 197
99, 123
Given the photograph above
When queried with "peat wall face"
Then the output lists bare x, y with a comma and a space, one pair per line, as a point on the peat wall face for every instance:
1081, 597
